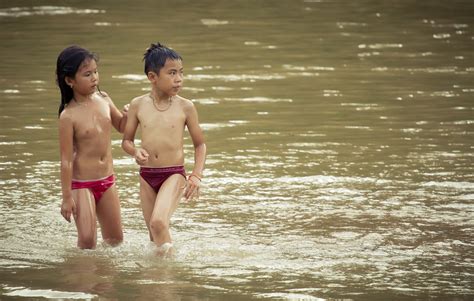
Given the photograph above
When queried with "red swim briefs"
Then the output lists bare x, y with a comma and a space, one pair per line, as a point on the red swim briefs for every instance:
97, 187
156, 176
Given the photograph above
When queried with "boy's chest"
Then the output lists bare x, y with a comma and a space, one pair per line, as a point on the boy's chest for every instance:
152, 119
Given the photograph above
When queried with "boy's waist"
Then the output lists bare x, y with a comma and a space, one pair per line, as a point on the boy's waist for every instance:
163, 168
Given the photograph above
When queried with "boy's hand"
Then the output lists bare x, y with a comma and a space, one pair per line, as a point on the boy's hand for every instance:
141, 156
192, 188
68, 207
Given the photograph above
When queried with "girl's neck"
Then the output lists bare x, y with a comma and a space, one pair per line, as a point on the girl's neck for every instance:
82, 98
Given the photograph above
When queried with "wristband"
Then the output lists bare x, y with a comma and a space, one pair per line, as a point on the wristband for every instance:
194, 175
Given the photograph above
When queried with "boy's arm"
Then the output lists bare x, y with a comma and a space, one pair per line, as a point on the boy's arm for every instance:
192, 122
128, 144
66, 133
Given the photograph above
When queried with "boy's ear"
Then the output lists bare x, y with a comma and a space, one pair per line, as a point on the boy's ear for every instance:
152, 76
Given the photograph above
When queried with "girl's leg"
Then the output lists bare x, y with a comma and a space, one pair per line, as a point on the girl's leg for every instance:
86, 219
108, 214
166, 202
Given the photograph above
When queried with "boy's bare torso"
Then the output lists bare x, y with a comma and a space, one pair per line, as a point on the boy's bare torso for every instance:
162, 131
92, 133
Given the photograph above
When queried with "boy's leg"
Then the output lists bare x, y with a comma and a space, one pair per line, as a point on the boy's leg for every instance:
166, 203
108, 214
147, 199
86, 218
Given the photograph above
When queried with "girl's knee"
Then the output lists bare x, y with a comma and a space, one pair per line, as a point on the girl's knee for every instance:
114, 241
87, 241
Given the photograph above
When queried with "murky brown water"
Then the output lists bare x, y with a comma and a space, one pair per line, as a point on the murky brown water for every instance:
340, 150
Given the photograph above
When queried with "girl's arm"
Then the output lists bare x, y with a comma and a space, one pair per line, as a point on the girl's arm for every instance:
66, 134
119, 118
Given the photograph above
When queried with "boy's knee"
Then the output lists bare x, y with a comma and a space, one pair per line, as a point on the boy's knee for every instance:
158, 225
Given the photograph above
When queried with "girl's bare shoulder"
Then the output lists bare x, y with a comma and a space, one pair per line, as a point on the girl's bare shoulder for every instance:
68, 112
103, 96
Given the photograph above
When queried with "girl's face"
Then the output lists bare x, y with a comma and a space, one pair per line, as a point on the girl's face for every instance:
86, 80
170, 79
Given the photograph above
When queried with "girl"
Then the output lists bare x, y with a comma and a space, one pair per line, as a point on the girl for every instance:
86, 116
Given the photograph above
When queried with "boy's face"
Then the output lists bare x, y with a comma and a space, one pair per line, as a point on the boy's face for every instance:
170, 79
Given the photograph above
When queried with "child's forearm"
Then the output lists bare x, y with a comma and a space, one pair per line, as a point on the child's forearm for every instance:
123, 122
129, 147
66, 179
199, 159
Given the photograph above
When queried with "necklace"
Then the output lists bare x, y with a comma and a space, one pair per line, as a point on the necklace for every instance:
156, 105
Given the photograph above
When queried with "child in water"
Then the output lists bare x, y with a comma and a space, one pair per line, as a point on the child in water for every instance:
86, 117
162, 116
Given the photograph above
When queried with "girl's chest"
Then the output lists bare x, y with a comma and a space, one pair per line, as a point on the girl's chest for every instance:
92, 121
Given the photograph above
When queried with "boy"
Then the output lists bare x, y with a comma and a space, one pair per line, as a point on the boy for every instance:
162, 115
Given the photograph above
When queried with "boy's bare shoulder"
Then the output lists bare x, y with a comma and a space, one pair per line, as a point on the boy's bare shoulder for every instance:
185, 103
139, 100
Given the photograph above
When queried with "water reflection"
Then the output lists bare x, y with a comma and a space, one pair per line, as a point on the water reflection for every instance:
88, 273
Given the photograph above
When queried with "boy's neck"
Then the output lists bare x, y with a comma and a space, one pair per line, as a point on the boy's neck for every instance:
159, 96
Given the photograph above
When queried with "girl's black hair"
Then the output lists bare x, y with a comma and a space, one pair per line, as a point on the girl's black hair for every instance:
156, 55
69, 62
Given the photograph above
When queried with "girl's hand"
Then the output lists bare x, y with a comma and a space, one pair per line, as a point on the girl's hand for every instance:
68, 207
125, 108
192, 187
141, 156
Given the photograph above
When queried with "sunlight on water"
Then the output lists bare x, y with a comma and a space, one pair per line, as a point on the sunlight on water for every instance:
48, 294
45, 10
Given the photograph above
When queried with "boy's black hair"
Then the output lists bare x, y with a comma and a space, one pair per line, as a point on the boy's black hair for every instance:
68, 63
156, 55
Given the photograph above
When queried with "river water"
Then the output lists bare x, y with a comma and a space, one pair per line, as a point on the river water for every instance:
340, 150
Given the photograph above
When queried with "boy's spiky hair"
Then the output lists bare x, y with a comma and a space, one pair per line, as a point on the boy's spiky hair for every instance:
156, 55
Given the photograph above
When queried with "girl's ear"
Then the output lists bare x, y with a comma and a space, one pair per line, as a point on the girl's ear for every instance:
69, 81
152, 76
